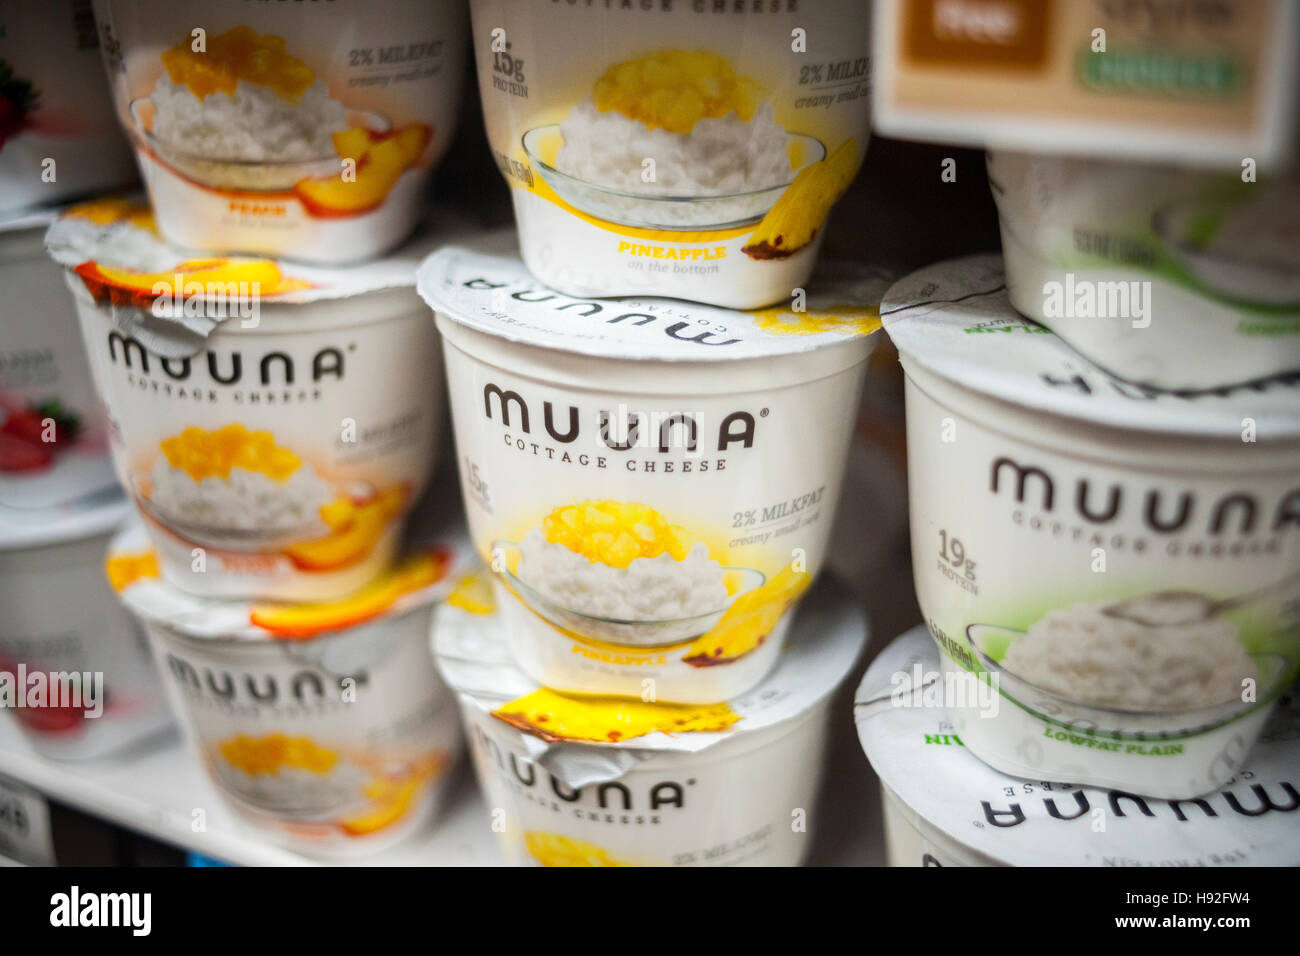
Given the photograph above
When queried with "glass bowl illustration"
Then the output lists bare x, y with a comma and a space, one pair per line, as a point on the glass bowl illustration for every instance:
238, 539
987, 639
647, 209
253, 175
638, 633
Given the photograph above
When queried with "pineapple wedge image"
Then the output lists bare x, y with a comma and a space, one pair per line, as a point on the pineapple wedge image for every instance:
749, 620
793, 222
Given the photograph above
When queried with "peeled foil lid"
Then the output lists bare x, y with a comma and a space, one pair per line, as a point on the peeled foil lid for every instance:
155, 601
903, 729
115, 233
486, 287
824, 640
932, 317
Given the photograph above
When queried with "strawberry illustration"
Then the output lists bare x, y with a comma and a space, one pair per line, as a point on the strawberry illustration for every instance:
23, 444
16, 454
17, 101
28, 424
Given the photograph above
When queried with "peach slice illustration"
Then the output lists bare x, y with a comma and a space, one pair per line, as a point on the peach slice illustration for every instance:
381, 158
360, 528
303, 621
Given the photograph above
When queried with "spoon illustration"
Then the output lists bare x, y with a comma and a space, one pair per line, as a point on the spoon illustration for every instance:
1174, 608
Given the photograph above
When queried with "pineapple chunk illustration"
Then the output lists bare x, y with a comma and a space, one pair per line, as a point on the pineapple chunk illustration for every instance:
749, 620
793, 222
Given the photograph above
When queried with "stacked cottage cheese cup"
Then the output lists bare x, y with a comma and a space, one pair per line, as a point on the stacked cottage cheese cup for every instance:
273, 391
1104, 455
651, 474
59, 501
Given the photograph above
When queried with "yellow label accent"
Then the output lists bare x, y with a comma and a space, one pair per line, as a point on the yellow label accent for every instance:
675, 89
239, 54
212, 454
274, 752
615, 533
553, 716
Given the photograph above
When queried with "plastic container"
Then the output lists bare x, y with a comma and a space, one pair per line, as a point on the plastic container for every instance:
1173, 278
582, 781
58, 138
307, 131
273, 423
325, 725
53, 437
652, 482
63, 636
943, 807
1123, 564
684, 150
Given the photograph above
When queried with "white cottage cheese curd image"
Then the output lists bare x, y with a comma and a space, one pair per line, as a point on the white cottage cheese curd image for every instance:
599, 781
648, 589
1119, 564
651, 482
934, 789
304, 131
278, 498
325, 725
687, 151
1081, 652
264, 413
1172, 278
255, 122
719, 155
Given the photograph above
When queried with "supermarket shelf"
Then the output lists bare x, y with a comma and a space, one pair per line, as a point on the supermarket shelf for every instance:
155, 790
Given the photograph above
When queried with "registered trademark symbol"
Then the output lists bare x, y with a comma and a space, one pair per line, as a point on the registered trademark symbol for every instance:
763, 413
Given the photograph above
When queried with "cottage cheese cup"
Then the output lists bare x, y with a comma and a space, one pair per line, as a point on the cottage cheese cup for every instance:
53, 439
1123, 564
653, 483
274, 423
598, 781
74, 668
58, 136
943, 807
324, 725
1174, 278
286, 129
684, 150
